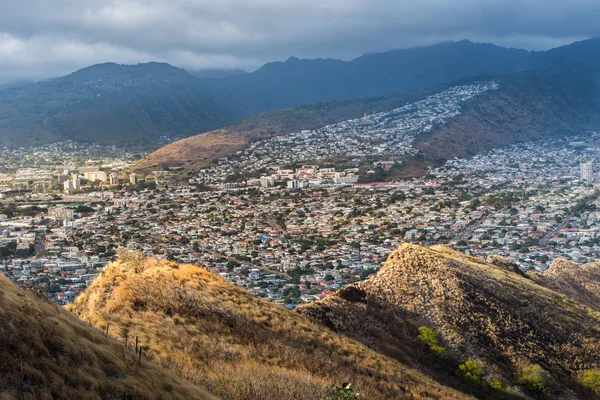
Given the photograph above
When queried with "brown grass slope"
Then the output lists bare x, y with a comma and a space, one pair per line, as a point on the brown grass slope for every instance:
238, 346
488, 313
47, 353
581, 283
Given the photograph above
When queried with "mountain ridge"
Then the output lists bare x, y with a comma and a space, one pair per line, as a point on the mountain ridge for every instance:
237, 345
431, 319
138, 105
527, 105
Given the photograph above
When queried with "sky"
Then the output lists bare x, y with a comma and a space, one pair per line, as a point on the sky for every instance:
47, 38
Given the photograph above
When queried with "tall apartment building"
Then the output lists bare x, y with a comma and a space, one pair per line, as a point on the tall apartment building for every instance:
95, 176
114, 179
586, 172
72, 184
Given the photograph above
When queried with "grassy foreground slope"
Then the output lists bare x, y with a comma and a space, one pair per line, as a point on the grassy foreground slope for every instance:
47, 353
479, 325
235, 344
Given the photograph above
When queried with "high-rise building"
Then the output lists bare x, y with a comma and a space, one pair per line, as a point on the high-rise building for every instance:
133, 179
267, 181
68, 186
61, 213
114, 179
296, 184
95, 176
62, 178
586, 172
72, 184
76, 182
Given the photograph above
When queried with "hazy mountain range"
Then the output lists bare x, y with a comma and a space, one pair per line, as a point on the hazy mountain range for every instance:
135, 105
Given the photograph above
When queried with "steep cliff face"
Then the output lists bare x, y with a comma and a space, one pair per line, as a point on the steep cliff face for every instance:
47, 353
490, 315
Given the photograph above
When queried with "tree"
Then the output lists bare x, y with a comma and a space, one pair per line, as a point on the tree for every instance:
82, 209
231, 264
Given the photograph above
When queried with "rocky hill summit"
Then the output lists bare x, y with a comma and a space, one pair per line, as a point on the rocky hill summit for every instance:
479, 325
47, 353
236, 345
581, 283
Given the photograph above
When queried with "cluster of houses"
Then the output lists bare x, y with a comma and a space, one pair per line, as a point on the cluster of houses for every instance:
527, 202
60, 166
384, 134
247, 220
298, 178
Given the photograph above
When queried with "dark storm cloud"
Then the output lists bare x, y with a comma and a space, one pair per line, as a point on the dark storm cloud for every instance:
42, 38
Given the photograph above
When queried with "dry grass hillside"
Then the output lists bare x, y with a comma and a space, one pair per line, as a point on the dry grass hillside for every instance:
47, 353
482, 327
578, 282
236, 345
198, 151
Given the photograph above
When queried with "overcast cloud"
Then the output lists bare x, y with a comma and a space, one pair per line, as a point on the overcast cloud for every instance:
45, 38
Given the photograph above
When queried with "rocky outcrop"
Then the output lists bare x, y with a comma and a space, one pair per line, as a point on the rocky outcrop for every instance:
505, 263
561, 266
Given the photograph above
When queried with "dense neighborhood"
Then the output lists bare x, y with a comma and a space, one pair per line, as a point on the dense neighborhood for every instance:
288, 225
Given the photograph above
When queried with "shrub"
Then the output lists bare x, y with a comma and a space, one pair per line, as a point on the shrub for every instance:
135, 260
344, 392
472, 371
497, 384
535, 380
591, 380
429, 337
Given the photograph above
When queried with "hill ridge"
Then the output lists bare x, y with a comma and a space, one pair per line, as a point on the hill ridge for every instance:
52, 110
239, 346
508, 323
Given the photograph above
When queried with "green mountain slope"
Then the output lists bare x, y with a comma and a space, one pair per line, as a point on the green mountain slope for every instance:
108, 104
139, 104
527, 105
300, 82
